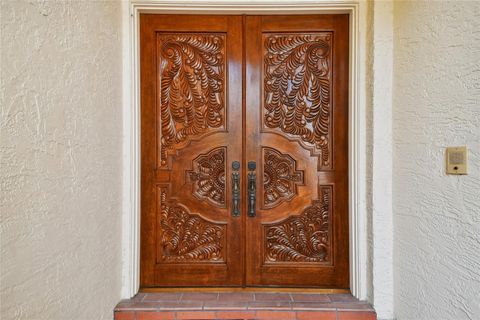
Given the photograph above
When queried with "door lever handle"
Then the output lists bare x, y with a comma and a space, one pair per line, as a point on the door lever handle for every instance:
235, 189
252, 188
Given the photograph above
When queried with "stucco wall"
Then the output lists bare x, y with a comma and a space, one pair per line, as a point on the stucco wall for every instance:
436, 104
60, 170
380, 126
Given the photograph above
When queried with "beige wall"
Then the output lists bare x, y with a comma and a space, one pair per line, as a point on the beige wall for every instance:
379, 155
436, 104
60, 172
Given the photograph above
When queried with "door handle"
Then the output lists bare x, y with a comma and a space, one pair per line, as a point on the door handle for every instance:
235, 189
252, 188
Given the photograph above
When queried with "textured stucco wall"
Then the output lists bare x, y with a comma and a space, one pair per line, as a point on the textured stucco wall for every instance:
436, 104
381, 159
60, 172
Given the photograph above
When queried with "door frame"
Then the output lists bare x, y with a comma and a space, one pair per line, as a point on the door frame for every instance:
131, 11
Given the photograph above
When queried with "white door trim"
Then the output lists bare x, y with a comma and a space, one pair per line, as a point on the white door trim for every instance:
131, 120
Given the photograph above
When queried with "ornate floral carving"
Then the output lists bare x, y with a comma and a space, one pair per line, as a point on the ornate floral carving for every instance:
302, 238
187, 237
192, 90
297, 84
208, 175
280, 177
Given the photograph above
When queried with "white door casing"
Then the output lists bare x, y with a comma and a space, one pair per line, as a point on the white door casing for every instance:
131, 121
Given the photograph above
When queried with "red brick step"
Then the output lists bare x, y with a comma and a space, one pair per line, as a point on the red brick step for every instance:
243, 305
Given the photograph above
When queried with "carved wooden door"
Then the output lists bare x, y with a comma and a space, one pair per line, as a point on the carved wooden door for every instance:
297, 128
191, 100
276, 103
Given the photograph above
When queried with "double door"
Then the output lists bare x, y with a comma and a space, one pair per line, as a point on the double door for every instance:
244, 150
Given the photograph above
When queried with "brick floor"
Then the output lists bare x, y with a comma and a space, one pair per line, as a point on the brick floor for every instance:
243, 305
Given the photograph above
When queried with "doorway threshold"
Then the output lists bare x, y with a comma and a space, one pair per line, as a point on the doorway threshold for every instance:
246, 289
257, 303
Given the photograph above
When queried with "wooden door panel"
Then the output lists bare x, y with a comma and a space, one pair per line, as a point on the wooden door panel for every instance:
189, 140
297, 83
297, 107
192, 91
281, 178
304, 237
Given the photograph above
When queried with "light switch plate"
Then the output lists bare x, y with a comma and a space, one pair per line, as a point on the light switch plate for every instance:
457, 160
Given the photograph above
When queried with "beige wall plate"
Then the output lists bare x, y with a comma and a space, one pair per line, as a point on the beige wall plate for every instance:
457, 160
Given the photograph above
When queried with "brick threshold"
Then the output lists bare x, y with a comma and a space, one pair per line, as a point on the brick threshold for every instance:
243, 305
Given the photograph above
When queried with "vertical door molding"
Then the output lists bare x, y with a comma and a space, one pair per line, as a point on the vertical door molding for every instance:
131, 119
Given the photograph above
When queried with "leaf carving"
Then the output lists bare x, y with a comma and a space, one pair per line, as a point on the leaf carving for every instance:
302, 238
297, 84
208, 176
191, 88
280, 177
187, 237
